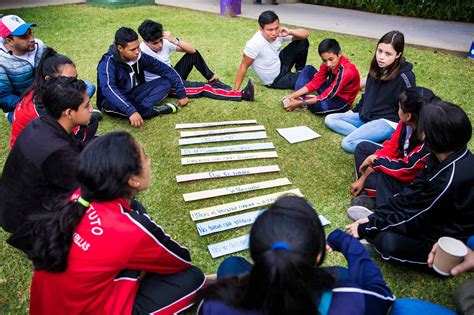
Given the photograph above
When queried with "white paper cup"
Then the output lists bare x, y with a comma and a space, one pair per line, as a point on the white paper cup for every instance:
450, 252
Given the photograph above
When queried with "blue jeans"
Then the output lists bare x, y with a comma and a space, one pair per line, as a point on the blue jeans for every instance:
350, 125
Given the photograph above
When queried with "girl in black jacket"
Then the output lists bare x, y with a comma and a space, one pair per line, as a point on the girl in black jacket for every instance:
375, 117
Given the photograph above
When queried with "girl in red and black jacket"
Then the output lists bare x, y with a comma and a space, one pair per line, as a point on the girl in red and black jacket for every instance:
98, 251
383, 170
31, 106
439, 202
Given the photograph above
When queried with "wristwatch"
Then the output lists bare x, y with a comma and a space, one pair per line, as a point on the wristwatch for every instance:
304, 105
176, 41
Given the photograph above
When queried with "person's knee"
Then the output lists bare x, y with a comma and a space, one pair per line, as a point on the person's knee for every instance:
362, 148
329, 121
232, 265
194, 278
348, 145
304, 42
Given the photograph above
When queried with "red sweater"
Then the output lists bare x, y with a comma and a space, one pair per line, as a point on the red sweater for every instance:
346, 82
110, 238
392, 160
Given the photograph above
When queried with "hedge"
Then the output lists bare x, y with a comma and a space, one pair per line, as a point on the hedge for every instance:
453, 10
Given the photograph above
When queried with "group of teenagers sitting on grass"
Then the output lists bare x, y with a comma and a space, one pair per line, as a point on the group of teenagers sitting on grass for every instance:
67, 196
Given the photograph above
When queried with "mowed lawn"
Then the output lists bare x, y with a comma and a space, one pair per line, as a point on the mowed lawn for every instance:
319, 168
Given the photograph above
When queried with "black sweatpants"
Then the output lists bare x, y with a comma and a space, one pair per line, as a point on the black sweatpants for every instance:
168, 294
401, 248
381, 185
295, 54
185, 65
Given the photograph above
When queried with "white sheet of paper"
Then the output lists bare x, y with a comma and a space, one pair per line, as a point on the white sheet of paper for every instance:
217, 123
227, 223
230, 137
229, 157
204, 194
298, 134
228, 173
186, 134
231, 207
229, 148
229, 246
323, 220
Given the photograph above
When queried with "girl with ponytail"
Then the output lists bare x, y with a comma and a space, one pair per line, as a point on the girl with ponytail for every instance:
31, 106
98, 251
288, 246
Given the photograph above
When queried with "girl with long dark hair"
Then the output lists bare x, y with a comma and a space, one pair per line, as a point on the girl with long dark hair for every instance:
98, 251
31, 106
288, 247
375, 117
383, 170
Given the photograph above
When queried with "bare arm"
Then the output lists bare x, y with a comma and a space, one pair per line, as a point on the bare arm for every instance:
181, 46
299, 33
244, 65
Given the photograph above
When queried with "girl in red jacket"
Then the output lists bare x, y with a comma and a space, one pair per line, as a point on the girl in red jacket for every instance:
383, 170
99, 252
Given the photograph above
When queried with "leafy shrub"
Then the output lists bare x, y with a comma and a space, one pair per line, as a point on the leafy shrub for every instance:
454, 10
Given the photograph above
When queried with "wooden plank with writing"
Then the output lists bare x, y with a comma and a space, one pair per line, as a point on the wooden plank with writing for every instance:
204, 194
228, 173
186, 134
229, 148
241, 205
229, 246
214, 124
228, 157
224, 138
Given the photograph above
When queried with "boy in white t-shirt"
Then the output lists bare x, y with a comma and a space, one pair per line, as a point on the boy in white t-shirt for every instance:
262, 53
159, 45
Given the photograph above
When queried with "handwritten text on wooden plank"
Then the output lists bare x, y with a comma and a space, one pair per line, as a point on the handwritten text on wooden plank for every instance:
186, 134
218, 123
227, 223
235, 189
228, 173
229, 246
224, 138
229, 148
229, 157
227, 208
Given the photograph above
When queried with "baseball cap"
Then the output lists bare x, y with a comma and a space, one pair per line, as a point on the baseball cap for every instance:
13, 25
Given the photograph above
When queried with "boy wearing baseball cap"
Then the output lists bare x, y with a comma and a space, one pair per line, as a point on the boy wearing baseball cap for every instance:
20, 54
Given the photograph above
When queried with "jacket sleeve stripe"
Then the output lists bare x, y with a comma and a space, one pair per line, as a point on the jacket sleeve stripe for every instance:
430, 206
362, 291
108, 83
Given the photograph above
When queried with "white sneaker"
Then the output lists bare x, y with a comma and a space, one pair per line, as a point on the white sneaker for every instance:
356, 213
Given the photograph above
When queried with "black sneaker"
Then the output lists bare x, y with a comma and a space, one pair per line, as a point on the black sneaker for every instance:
248, 91
168, 108
364, 201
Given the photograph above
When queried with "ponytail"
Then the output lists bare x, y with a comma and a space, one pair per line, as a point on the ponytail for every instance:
53, 232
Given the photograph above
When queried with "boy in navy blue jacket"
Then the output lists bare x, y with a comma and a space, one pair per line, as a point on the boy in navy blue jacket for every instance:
122, 90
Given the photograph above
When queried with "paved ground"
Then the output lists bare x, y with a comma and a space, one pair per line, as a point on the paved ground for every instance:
450, 36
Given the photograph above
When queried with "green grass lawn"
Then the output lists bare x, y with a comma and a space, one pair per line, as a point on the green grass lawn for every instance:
319, 168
